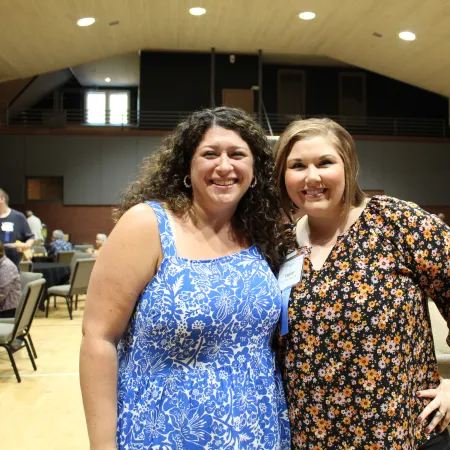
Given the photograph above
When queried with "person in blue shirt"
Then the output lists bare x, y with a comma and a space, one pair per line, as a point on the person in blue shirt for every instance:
58, 244
15, 233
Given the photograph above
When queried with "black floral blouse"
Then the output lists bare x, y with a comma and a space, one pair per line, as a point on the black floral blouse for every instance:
360, 345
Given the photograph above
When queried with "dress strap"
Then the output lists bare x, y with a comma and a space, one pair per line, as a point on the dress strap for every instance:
165, 230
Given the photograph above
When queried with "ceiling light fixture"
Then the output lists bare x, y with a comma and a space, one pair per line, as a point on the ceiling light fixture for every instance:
407, 36
197, 11
108, 80
86, 21
307, 15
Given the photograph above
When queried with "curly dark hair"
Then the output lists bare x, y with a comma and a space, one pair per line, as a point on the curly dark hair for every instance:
257, 219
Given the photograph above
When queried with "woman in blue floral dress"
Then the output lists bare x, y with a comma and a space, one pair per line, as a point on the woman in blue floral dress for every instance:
183, 304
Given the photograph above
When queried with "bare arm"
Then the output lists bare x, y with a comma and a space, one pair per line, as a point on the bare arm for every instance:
29, 243
128, 261
25, 245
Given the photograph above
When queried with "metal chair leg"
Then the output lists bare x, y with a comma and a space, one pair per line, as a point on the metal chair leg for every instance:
13, 363
69, 306
30, 354
47, 306
32, 345
76, 302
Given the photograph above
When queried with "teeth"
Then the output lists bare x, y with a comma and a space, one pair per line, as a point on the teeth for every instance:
315, 191
224, 182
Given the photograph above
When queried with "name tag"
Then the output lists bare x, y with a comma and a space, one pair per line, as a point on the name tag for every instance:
291, 271
290, 274
8, 226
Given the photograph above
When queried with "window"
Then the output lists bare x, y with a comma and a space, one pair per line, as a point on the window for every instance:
45, 189
107, 107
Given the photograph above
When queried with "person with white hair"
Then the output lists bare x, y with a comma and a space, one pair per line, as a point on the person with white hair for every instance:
100, 239
58, 244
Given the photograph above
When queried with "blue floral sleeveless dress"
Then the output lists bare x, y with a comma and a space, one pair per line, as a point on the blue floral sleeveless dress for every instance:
196, 368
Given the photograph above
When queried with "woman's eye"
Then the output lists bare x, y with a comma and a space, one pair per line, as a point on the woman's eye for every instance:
325, 162
209, 154
298, 166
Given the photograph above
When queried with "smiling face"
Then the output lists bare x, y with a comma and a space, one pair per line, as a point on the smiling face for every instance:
315, 177
221, 170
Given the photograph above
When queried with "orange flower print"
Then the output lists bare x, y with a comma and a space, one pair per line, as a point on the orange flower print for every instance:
359, 343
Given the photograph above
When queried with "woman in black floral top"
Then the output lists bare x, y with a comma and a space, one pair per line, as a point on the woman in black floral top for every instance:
358, 357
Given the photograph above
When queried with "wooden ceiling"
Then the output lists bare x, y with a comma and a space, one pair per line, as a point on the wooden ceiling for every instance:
38, 36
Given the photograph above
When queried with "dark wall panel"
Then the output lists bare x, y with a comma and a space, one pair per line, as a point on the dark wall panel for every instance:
390, 98
240, 74
174, 81
322, 89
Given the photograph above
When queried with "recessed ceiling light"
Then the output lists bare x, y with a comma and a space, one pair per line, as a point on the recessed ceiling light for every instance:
407, 36
108, 80
86, 21
307, 15
197, 11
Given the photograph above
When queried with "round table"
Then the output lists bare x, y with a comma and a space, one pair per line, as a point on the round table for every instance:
54, 274
39, 259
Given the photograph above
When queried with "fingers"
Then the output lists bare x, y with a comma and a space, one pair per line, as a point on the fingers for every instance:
444, 422
433, 405
428, 393
438, 417
439, 404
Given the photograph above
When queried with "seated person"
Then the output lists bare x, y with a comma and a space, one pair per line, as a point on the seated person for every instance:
99, 241
9, 285
57, 245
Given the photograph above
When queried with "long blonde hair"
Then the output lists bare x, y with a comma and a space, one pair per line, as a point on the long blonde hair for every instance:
341, 140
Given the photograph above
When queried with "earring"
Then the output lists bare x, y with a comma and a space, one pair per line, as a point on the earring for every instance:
253, 183
186, 182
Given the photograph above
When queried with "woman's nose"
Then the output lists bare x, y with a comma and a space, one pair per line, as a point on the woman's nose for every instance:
225, 163
312, 174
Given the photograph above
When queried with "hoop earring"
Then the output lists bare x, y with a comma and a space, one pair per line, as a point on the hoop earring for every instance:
186, 182
255, 181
